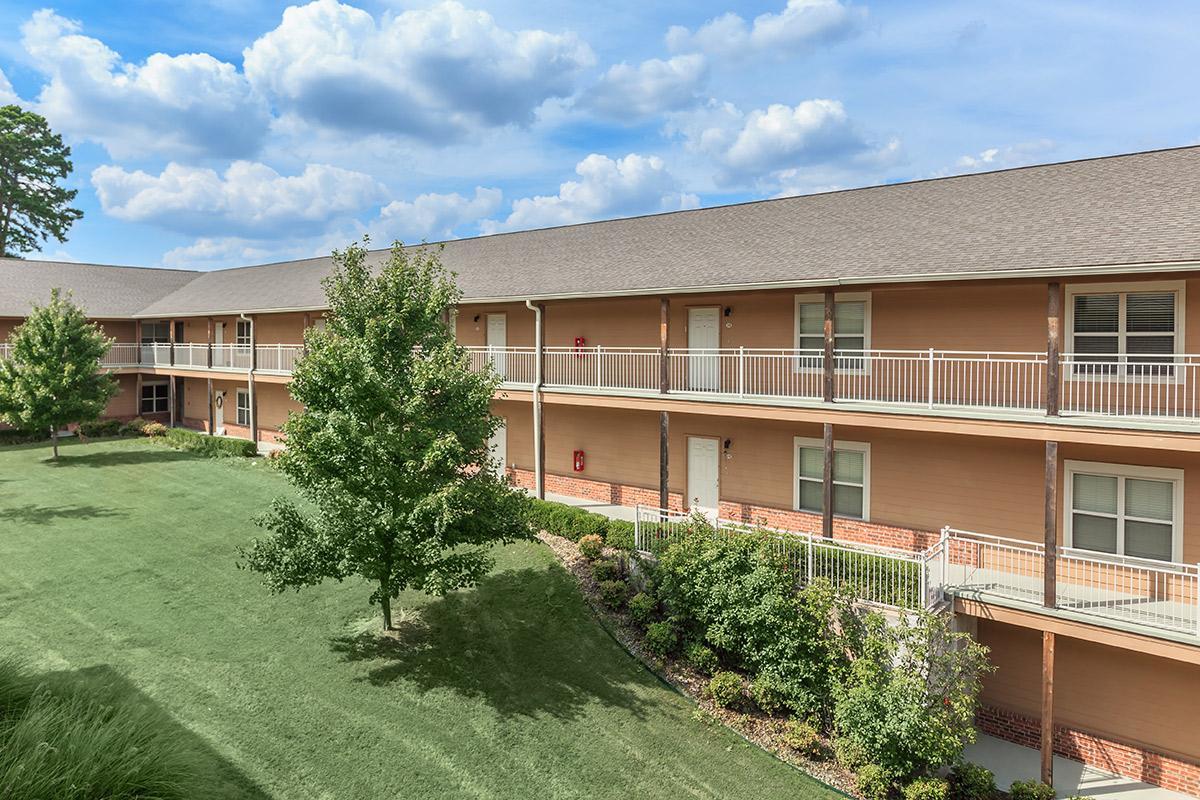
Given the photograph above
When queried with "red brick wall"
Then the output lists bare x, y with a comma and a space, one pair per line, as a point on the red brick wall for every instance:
1127, 760
600, 491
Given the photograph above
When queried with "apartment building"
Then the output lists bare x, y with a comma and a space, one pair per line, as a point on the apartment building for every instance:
989, 376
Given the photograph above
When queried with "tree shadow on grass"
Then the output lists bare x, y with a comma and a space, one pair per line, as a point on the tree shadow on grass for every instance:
112, 458
210, 774
522, 641
30, 514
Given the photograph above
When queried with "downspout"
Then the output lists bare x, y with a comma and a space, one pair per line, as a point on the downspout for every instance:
538, 452
250, 378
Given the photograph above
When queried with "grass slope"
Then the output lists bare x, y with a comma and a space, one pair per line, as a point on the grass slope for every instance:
118, 563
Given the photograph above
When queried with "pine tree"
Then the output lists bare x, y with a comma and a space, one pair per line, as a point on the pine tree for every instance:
52, 376
33, 206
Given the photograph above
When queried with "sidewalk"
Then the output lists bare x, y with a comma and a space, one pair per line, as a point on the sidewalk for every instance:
1011, 762
607, 509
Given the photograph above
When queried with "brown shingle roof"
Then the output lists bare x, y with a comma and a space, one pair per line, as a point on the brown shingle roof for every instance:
102, 291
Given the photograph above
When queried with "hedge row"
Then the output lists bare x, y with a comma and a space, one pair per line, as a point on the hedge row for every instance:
202, 443
14, 436
574, 523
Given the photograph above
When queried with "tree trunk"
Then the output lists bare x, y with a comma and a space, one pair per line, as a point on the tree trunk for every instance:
54, 441
385, 603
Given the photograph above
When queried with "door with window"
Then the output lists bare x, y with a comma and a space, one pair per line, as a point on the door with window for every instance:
498, 448
219, 413
703, 475
1124, 510
244, 331
704, 341
497, 340
156, 337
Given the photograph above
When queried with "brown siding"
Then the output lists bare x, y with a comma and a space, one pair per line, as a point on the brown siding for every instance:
520, 324
1123, 694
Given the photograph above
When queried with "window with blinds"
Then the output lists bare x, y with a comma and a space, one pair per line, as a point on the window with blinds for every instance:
1132, 328
1124, 514
850, 469
850, 329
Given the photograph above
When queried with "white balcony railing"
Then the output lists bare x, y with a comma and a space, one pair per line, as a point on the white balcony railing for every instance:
517, 366
121, 354
278, 358
1159, 595
632, 368
232, 357
1162, 387
873, 574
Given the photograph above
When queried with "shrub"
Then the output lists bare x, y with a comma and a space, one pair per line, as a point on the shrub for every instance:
768, 693
606, 570
804, 739
872, 782
613, 593
15, 436
909, 699
661, 638
702, 657
100, 427
568, 521
539, 515
619, 534
1031, 790
971, 782
591, 546
183, 439
927, 789
848, 753
589, 524
133, 427
154, 429
726, 689
643, 607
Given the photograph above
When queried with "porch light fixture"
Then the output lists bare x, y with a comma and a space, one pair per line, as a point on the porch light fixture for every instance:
728, 310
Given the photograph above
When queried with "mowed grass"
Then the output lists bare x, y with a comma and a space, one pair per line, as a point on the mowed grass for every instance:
118, 564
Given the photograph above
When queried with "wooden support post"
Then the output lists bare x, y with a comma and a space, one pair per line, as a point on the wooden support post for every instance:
138, 413
664, 344
212, 421
208, 337
664, 471
827, 485
1050, 566
827, 382
171, 399
171, 342
1047, 738
137, 339
1053, 347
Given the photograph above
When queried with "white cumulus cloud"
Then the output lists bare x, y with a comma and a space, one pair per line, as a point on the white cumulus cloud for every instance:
189, 104
7, 95
1013, 155
652, 87
249, 200
801, 24
434, 74
432, 217
606, 188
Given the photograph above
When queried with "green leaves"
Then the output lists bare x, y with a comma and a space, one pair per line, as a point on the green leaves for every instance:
52, 375
33, 207
390, 452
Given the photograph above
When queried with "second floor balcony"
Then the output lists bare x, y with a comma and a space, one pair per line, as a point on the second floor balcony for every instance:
1156, 391
274, 359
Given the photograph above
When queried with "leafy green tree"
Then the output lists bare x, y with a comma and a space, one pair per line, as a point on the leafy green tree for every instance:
51, 376
390, 451
33, 206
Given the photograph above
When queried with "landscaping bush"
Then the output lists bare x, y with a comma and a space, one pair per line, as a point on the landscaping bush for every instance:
154, 429
589, 524
133, 427
643, 607
661, 638
805, 740
539, 515
80, 740
848, 754
613, 593
606, 570
591, 546
183, 439
769, 694
725, 689
1031, 790
15, 436
619, 534
971, 782
702, 658
927, 789
872, 782
909, 700
100, 427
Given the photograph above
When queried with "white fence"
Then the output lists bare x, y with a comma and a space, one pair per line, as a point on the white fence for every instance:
280, 358
515, 365
1138, 591
872, 574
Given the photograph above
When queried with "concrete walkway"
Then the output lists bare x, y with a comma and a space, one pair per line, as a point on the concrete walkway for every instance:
1012, 762
607, 509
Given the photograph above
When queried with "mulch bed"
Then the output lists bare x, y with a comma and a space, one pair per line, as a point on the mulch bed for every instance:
762, 730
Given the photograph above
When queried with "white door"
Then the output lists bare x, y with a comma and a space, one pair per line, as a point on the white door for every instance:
219, 359
497, 340
219, 413
498, 446
704, 339
703, 475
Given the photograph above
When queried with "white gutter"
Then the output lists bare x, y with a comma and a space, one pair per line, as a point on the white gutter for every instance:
538, 467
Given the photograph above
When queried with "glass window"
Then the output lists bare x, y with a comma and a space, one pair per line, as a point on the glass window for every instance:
849, 480
243, 333
1123, 515
154, 398
1137, 328
243, 407
850, 325
156, 332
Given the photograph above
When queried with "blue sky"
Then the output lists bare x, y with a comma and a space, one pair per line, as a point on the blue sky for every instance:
224, 132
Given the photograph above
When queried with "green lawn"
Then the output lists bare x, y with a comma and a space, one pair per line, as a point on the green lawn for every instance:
119, 563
